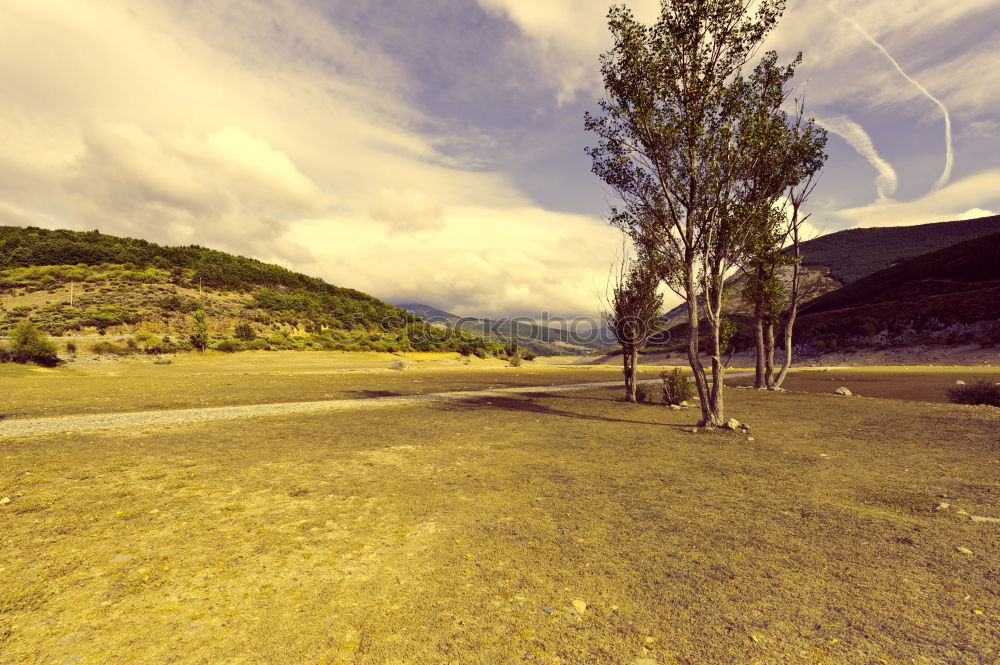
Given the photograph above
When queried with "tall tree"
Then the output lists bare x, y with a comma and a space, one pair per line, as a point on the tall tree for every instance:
677, 135
635, 306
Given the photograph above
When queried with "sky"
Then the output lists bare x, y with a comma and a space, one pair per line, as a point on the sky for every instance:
433, 151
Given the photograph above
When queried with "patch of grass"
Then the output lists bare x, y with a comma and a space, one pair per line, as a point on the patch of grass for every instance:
981, 392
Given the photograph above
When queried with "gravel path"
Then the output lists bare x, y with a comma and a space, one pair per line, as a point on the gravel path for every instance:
133, 420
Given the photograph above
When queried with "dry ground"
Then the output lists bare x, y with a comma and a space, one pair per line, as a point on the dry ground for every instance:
218, 379
463, 534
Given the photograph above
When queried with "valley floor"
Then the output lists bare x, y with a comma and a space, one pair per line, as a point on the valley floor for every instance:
550, 527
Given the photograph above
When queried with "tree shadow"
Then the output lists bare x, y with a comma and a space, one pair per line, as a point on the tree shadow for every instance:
365, 394
528, 405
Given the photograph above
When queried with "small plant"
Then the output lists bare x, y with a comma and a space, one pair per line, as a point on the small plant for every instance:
244, 331
515, 360
978, 392
398, 365
677, 388
528, 355
71, 347
106, 348
643, 394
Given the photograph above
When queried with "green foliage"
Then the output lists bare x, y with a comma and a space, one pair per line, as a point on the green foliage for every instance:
515, 361
199, 338
643, 394
229, 345
27, 345
676, 386
978, 392
245, 332
528, 355
107, 348
857, 253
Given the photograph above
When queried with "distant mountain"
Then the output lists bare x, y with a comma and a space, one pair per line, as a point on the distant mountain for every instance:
855, 253
830, 262
956, 285
542, 340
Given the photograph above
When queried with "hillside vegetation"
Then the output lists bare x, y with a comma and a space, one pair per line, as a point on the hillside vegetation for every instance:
855, 253
955, 286
83, 283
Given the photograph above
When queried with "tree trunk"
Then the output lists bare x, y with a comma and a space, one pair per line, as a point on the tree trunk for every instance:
715, 411
759, 383
628, 363
769, 356
790, 322
700, 382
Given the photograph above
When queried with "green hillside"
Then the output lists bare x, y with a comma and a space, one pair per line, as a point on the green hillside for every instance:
855, 253
71, 283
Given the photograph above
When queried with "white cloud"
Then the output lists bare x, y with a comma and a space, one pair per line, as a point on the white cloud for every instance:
886, 181
982, 191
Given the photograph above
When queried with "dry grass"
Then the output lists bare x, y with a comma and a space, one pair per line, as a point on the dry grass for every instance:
463, 533
217, 379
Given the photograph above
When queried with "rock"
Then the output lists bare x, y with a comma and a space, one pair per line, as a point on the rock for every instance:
963, 550
122, 558
962, 513
4, 501
977, 518
842, 391
693, 430
547, 609
732, 423
942, 506
674, 407
750, 439
960, 383
684, 403
579, 606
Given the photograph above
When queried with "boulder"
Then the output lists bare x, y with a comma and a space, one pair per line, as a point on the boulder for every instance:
842, 391
732, 423
960, 383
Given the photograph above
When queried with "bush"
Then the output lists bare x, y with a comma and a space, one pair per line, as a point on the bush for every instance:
677, 388
515, 360
529, 356
70, 347
398, 364
977, 392
244, 331
229, 345
643, 394
28, 346
109, 349
259, 344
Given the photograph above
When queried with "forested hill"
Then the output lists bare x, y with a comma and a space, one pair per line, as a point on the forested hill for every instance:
855, 253
69, 282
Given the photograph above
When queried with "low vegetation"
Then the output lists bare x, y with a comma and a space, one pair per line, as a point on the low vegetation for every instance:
983, 391
28, 345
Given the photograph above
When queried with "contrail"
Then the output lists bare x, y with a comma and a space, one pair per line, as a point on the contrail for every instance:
949, 159
853, 133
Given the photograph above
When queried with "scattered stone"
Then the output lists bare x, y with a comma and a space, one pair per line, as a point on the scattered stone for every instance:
732, 423
4, 501
122, 558
842, 391
978, 518
693, 430
750, 439
960, 383
962, 513
547, 609
674, 407
942, 506
963, 550
685, 403
579, 606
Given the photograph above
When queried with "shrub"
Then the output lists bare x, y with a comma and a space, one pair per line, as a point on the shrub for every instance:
977, 392
28, 346
643, 394
229, 345
515, 360
70, 347
677, 388
259, 344
109, 349
398, 364
529, 356
244, 331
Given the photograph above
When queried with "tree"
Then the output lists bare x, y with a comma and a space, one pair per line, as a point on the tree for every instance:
634, 310
27, 345
679, 131
199, 339
772, 195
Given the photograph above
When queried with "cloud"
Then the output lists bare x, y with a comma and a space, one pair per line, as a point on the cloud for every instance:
947, 204
407, 211
886, 181
949, 149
